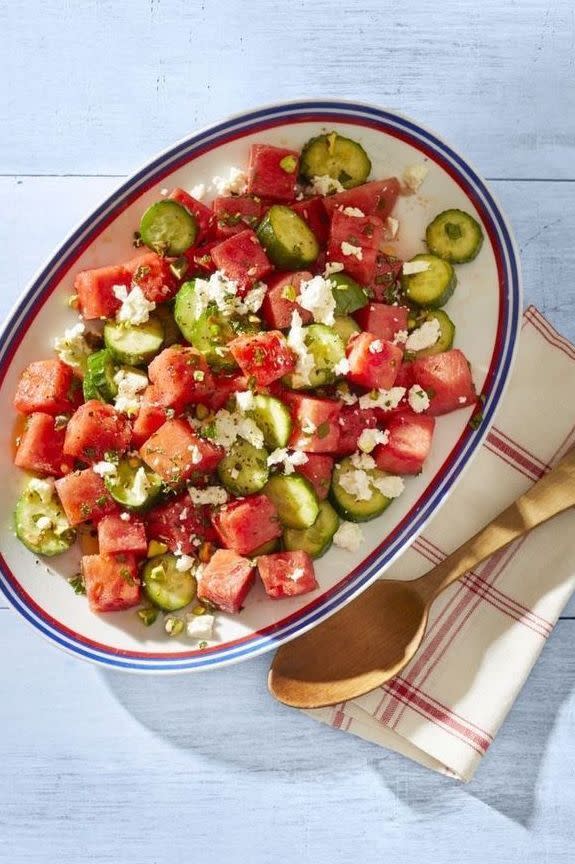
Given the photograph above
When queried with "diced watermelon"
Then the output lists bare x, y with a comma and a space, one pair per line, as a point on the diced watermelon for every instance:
40, 447
48, 386
354, 242
408, 445
360, 265
312, 211
287, 574
94, 430
381, 320
387, 272
152, 274
224, 386
279, 303
150, 417
242, 259
447, 380
376, 198
226, 581
111, 581
181, 525
204, 216
117, 535
264, 356
273, 172
235, 213
246, 524
309, 412
84, 496
176, 452
373, 363
318, 470
200, 258
94, 288
180, 376
405, 376
352, 422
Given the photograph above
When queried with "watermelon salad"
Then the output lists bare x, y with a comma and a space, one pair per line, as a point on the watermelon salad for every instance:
254, 383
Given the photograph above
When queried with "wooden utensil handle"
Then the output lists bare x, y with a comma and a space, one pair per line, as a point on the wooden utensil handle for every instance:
549, 496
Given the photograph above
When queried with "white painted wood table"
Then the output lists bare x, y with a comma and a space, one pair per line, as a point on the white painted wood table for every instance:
102, 767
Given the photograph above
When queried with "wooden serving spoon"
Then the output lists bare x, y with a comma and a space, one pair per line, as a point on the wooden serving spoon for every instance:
369, 641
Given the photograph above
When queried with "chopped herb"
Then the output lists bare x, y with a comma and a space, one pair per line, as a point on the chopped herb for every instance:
289, 293
476, 420
85, 509
142, 271
60, 422
137, 241
344, 177
203, 644
179, 267
202, 411
288, 164
90, 452
77, 583
173, 625
323, 429
147, 616
102, 500
199, 375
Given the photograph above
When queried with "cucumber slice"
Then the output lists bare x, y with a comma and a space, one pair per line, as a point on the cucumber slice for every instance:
327, 349
168, 228
42, 539
454, 236
338, 157
345, 327
244, 470
348, 295
294, 498
348, 506
288, 240
134, 345
431, 287
99, 378
274, 419
165, 586
446, 328
134, 486
316, 539
172, 333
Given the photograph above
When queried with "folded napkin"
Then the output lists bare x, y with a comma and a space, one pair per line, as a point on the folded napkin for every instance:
485, 631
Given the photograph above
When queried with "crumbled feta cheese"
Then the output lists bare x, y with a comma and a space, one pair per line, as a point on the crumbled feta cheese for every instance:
349, 249
43, 523
356, 483
196, 454
462, 400
342, 367
44, 489
348, 536
345, 394
235, 184
245, 400
411, 267
210, 495
230, 426
391, 228
199, 626
370, 438
105, 469
400, 337
376, 347
164, 191
308, 427
130, 385
198, 191
223, 292
296, 574
425, 336
316, 295
362, 461
353, 211
305, 359
418, 399
135, 308
323, 184
386, 399
72, 347
332, 267
125, 517
234, 473
289, 461
391, 487
184, 563
140, 486
253, 299
183, 514
414, 175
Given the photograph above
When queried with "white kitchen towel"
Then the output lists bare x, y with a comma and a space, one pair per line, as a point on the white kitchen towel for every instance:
487, 630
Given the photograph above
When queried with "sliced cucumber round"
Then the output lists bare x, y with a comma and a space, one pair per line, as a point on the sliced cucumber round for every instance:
349, 296
165, 586
99, 378
168, 228
274, 420
134, 486
294, 498
446, 330
42, 525
327, 349
345, 327
316, 539
433, 286
454, 236
244, 469
349, 506
341, 158
134, 345
288, 240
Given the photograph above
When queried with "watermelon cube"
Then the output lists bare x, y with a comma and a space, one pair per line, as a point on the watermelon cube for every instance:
235, 213
94, 430
273, 172
152, 274
181, 376
246, 524
204, 216
387, 273
264, 356
447, 380
287, 574
40, 447
315, 423
111, 581
280, 300
48, 386
313, 211
117, 534
318, 470
84, 497
242, 259
226, 580
94, 288
352, 422
177, 453
373, 363
381, 320
408, 445
181, 525
376, 198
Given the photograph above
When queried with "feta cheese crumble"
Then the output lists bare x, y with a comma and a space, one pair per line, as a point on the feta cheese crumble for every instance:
130, 385
400, 337
125, 517
348, 249
363, 461
425, 336
296, 574
414, 175
386, 399
210, 495
305, 360
140, 486
462, 400
376, 347
391, 487
105, 469
411, 267
195, 453
391, 228
44, 489
316, 295
199, 626
370, 438
198, 191
184, 563
223, 292
245, 400
332, 267
228, 426
323, 184
353, 211
289, 461
72, 347
43, 523
348, 536
418, 399
342, 367
235, 184
356, 483
135, 308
